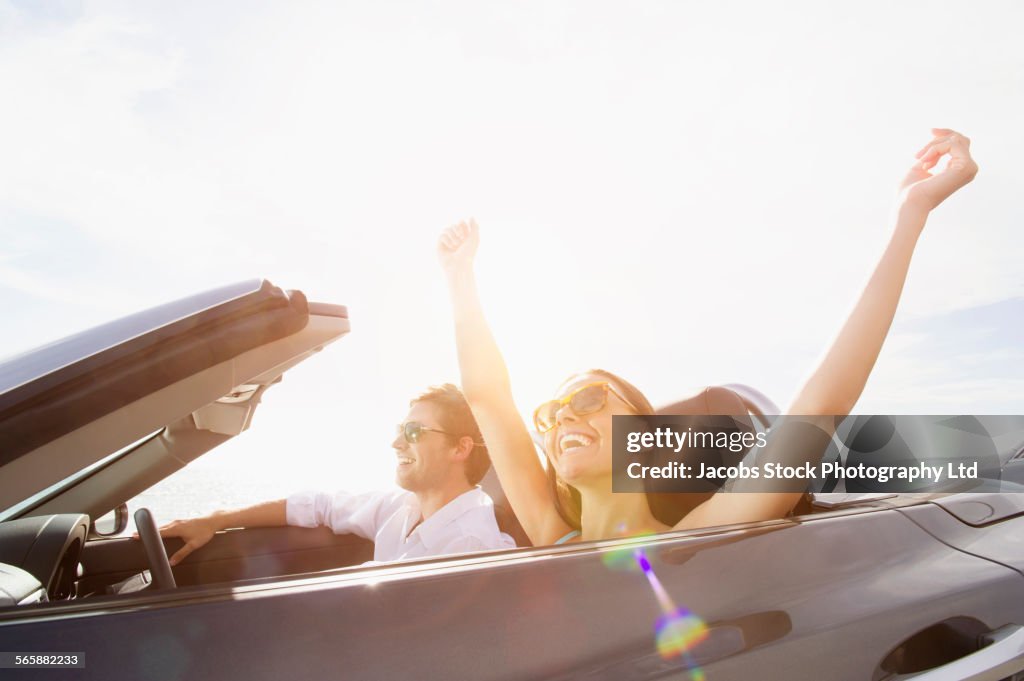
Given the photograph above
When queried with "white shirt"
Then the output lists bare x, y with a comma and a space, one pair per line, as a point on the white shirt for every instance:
466, 523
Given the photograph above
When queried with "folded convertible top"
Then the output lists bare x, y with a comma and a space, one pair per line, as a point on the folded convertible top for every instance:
56, 389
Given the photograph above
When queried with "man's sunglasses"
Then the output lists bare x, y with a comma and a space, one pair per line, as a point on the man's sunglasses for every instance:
585, 400
412, 430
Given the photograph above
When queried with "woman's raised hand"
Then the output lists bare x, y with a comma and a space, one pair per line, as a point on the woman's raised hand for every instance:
925, 190
456, 247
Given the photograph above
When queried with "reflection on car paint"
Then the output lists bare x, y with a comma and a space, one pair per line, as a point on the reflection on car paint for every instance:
678, 629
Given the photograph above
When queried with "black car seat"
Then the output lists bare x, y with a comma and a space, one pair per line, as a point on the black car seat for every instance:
507, 521
748, 407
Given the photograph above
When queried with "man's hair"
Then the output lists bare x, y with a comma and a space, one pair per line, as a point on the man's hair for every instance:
457, 419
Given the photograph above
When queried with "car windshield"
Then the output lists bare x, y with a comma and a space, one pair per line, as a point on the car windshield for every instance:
213, 483
71, 480
271, 461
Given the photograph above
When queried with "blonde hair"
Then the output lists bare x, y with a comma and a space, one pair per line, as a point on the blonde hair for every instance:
457, 419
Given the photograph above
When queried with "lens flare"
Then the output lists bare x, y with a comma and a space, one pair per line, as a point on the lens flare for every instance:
678, 630
623, 559
620, 560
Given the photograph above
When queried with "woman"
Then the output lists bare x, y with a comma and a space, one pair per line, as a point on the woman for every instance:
577, 425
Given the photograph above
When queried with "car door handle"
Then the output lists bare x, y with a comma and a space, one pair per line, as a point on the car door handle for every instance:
1002, 658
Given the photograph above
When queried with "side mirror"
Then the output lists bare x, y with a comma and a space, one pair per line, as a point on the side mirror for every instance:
111, 524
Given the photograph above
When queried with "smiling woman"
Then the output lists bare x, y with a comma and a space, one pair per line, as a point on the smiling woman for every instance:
577, 424
587, 394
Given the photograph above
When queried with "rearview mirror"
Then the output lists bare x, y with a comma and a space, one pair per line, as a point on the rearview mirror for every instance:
111, 524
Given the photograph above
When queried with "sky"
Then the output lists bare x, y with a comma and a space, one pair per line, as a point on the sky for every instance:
685, 193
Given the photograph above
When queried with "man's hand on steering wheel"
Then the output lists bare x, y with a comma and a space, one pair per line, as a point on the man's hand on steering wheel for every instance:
195, 533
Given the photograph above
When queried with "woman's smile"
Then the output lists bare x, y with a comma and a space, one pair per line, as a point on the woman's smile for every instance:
573, 442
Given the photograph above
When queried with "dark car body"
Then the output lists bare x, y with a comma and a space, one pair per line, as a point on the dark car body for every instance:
864, 587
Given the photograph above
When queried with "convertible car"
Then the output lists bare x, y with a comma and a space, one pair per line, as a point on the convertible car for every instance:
857, 586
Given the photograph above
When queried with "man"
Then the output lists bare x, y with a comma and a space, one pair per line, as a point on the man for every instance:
438, 510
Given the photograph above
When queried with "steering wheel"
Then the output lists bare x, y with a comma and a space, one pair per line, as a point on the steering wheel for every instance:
159, 566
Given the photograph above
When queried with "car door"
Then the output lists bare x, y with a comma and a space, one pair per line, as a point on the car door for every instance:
848, 594
232, 555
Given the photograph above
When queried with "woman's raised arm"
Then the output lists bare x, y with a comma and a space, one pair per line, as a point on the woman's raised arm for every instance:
838, 381
486, 385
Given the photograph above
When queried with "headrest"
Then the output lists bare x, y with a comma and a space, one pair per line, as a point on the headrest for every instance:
670, 507
710, 400
503, 513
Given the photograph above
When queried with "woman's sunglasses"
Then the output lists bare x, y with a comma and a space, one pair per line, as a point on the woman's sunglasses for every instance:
412, 430
585, 400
